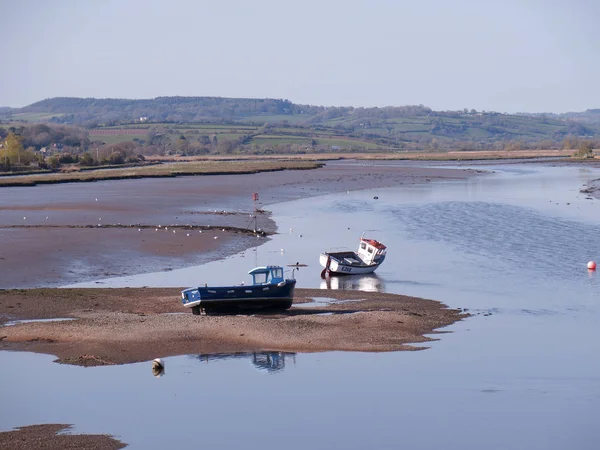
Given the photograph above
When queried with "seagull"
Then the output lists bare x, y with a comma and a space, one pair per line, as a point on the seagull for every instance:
216, 237
96, 199
139, 229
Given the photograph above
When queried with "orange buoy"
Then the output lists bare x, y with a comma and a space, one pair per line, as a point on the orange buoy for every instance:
592, 265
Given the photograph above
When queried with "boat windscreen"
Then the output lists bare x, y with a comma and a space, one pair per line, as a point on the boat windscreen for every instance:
260, 277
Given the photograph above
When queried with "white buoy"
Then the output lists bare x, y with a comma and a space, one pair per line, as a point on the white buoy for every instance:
158, 367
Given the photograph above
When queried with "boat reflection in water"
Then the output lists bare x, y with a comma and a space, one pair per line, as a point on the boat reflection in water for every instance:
368, 283
270, 362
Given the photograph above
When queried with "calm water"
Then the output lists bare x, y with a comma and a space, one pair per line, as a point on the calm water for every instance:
514, 245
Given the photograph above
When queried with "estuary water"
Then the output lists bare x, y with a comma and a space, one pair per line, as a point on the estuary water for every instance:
522, 373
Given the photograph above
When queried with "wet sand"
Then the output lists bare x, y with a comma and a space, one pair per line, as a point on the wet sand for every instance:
592, 188
118, 326
42, 247
46, 437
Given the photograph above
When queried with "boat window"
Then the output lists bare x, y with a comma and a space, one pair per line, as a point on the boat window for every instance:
363, 246
277, 273
260, 278
370, 249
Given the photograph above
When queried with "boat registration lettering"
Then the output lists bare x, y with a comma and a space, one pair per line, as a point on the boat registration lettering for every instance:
346, 269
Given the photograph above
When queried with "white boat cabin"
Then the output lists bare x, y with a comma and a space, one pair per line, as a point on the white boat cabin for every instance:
371, 250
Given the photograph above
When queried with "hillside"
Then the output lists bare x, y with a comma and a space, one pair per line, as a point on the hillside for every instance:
589, 116
404, 127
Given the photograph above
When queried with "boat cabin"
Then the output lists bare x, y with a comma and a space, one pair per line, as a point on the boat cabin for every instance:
267, 275
371, 250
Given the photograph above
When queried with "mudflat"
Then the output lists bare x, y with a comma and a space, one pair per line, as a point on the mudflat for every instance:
55, 235
55, 436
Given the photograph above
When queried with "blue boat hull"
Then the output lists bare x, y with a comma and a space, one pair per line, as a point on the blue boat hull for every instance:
227, 298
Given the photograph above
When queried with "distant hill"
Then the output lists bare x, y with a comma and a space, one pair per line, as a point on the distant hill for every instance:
589, 116
393, 127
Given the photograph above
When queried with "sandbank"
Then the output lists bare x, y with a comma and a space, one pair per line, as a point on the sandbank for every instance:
125, 325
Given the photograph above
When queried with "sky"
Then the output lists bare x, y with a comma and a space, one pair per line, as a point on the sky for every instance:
492, 55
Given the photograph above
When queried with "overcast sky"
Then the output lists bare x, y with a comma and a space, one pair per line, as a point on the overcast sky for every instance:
493, 55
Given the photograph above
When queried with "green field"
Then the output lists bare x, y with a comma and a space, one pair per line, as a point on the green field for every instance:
34, 117
347, 143
271, 140
281, 118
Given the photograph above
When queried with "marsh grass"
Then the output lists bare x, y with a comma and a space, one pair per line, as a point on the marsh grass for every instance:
166, 169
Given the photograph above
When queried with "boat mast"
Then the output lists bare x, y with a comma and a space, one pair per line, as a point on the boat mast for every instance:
254, 219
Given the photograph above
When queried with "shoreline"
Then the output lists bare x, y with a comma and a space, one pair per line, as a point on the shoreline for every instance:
592, 188
108, 326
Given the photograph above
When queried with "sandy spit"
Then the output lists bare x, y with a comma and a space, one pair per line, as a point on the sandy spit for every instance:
119, 326
46, 437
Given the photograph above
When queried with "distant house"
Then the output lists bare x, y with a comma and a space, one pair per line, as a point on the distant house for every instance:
143, 119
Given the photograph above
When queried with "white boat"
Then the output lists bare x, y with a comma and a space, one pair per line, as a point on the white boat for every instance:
370, 255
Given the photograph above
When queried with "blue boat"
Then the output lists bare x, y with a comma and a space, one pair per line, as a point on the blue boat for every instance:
269, 290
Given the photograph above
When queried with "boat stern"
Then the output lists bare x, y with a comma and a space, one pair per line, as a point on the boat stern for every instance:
190, 297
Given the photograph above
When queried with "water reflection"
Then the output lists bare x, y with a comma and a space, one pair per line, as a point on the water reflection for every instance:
368, 283
270, 362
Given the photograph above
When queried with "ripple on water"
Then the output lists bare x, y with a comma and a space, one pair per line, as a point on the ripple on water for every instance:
506, 238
